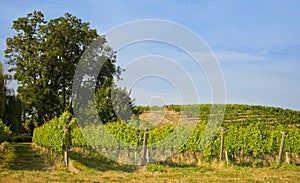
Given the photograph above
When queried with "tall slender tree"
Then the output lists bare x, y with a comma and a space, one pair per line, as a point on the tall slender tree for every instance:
2, 92
10, 104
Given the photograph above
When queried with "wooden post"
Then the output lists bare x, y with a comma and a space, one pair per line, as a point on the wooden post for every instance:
222, 144
281, 146
145, 146
138, 141
66, 157
287, 157
147, 156
66, 130
226, 156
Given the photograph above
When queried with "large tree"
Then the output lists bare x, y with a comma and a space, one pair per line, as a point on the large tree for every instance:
43, 57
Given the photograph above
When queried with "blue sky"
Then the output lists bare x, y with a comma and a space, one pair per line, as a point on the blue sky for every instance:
256, 42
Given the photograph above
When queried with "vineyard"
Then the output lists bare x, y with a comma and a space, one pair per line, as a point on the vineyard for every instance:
251, 132
70, 94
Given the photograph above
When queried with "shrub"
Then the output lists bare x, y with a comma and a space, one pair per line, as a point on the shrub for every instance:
4, 132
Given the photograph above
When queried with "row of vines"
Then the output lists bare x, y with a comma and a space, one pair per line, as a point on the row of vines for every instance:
242, 113
252, 139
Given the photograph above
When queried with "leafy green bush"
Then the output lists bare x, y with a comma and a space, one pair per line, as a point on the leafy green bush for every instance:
4, 132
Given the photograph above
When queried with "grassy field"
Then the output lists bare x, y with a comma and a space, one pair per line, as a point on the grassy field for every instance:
20, 162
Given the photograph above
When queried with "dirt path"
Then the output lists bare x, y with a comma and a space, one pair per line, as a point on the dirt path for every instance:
22, 156
163, 117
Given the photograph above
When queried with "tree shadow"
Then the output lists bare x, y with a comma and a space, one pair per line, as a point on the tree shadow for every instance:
178, 165
24, 157
100, 163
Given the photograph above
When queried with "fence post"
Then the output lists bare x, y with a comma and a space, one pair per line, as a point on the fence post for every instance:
66, 157
281, 146
287, 158
226, 156
138, 139
147, 156
66, 131
222, 144
145, 146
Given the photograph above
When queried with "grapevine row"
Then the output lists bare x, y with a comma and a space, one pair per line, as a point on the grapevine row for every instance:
253, 138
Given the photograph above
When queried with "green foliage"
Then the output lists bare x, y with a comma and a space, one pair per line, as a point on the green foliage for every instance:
174, 107
43, 57
2, 91
77, 138
156, 168
54, 134
293, 140
104, 102
242, 114
113, 103
4, 132
259, 138
13, 113
156, 108
10, 105
140, 109
250, 138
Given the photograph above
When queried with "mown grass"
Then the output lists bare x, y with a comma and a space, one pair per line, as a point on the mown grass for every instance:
20, 162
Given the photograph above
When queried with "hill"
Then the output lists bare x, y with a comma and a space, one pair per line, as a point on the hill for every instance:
234, 113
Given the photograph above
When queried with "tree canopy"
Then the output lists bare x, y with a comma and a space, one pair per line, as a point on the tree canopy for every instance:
43, 56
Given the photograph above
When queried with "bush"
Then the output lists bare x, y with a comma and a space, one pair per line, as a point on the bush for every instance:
4, 132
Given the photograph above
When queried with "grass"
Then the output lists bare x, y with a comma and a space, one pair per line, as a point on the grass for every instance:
20, 162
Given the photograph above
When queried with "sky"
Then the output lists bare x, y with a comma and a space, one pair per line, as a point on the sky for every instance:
256, 44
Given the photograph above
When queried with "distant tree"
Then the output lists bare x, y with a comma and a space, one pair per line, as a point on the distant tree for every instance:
113, 103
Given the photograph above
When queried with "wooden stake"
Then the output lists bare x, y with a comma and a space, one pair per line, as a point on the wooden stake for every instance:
226, 156
281, 146
222, 144
147, 156
145, 146
287, 157
66, 131
66, 157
